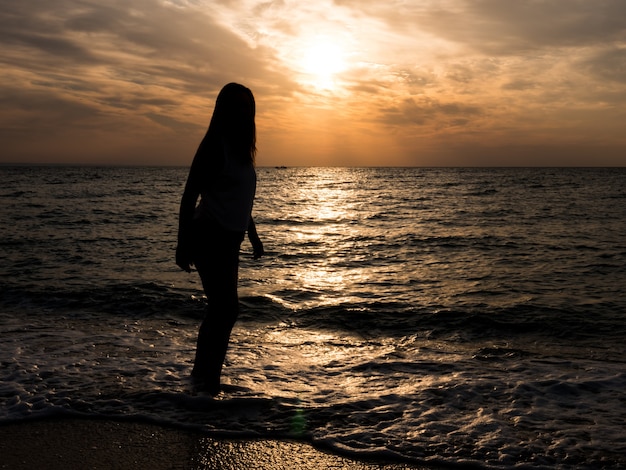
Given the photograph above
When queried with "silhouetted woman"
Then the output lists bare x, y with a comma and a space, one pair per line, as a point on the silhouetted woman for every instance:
209, 236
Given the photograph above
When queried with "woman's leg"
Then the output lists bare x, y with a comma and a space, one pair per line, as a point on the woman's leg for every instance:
219, 274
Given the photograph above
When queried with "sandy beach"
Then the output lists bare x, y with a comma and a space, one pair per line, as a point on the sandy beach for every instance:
104, 444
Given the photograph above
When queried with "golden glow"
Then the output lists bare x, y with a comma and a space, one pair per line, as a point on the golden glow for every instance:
337, 83
332, 201
322, 58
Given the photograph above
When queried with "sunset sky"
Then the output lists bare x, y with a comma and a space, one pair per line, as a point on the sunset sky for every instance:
340, 83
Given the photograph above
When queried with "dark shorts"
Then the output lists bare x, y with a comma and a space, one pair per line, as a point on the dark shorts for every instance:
212, 245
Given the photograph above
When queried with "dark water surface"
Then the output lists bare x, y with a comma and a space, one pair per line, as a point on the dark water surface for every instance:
436, 315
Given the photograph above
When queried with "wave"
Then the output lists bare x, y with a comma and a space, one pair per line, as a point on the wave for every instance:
593, 322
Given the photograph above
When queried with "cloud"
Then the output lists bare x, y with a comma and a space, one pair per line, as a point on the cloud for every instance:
85, 69
497, 27
608, 64
429, 111
137, 78
140, 39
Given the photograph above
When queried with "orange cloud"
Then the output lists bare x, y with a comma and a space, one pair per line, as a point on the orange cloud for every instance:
337, 83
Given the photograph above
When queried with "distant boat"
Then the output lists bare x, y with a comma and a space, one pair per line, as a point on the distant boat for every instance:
282, 167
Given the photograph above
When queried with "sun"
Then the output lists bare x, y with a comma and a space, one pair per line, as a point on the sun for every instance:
321, 61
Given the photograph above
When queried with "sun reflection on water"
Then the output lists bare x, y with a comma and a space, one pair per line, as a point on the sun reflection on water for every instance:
327, 216
323, 364
329, 197
320, 353
338, 244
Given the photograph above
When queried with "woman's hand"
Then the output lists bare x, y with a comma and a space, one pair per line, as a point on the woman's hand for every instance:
253, 236
257, 247
183, 258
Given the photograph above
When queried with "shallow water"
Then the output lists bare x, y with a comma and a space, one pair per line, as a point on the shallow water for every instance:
435, 315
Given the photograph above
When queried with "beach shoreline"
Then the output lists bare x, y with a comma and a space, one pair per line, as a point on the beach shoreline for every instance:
110, 444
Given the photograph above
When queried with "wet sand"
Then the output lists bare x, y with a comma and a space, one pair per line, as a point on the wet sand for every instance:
104, 444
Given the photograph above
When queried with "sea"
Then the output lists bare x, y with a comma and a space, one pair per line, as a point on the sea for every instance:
432, 316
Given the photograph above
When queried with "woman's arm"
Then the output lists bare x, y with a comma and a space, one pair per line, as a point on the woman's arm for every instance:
185, 216
253, 236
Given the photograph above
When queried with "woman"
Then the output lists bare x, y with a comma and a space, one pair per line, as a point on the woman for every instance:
209, 236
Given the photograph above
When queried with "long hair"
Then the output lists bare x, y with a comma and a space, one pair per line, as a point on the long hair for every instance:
232, 123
